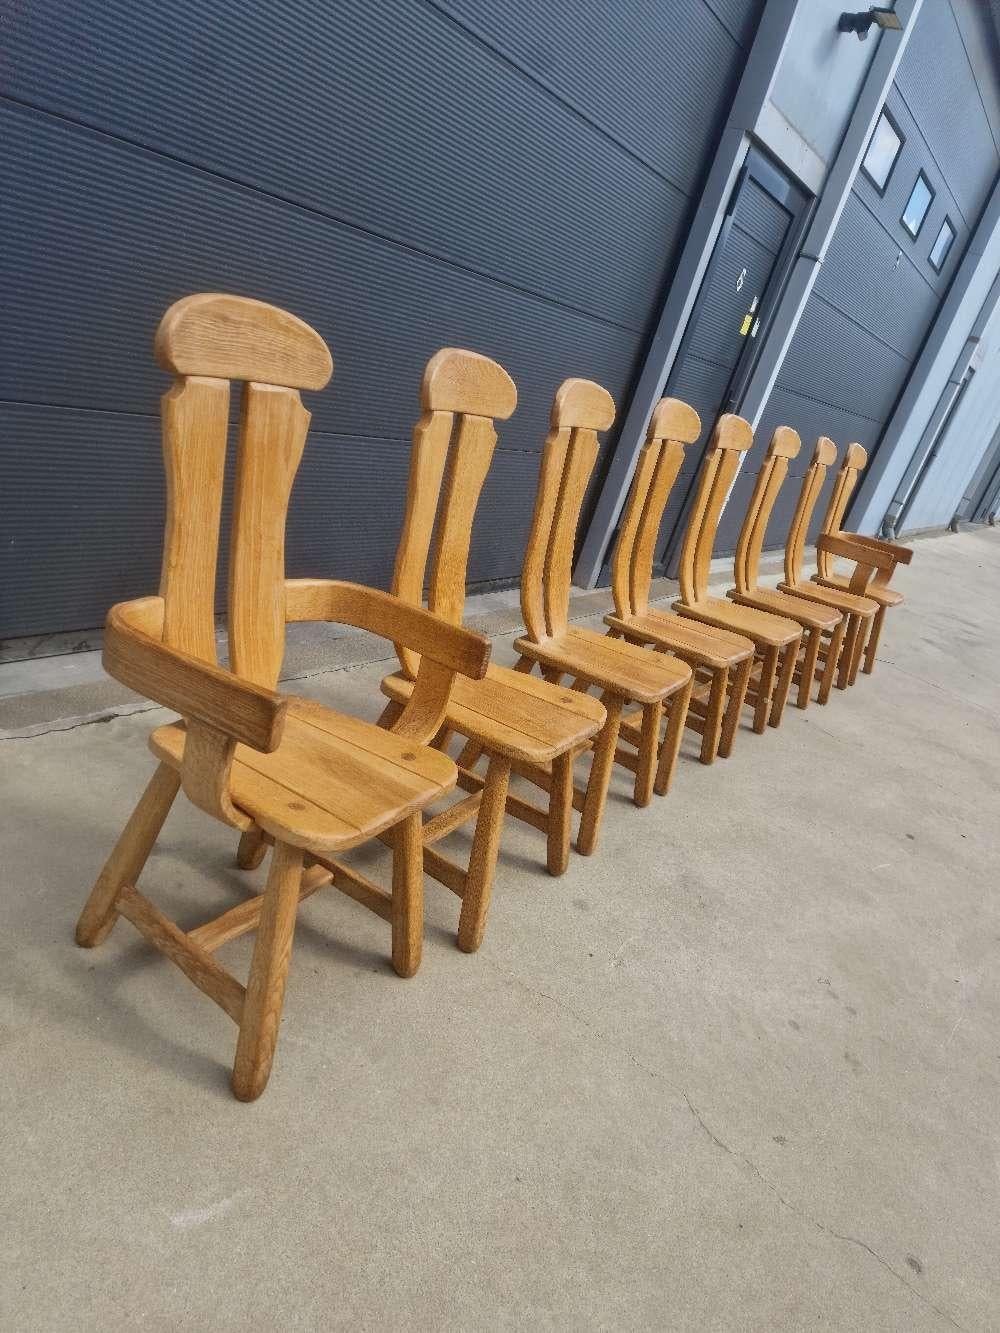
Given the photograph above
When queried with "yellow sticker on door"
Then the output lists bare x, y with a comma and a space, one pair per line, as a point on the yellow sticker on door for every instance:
745, 326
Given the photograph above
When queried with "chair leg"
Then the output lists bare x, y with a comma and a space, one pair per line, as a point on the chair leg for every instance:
483, 861
390, 714
560, 814
858, 654
807, 667
737, 698
649, 745
130, 854
710, 737
875, 633
265, 995
783, 683
834, 648
669, 750
600, 776
252, 849
407, 895
471, 753
768, 668
847, 651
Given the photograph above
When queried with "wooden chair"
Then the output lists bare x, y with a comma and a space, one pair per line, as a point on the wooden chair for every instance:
822, 626
859, 611
314, 781
721, 661
853, 546
624, 672
776, 639
519, 722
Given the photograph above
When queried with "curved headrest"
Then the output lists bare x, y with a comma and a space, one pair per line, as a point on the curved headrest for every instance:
582, 403
732, 432
460, 381
235, 338
673, 419
856, 457
825, 452
785, 443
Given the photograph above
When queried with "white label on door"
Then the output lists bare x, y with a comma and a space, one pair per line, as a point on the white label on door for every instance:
741, 279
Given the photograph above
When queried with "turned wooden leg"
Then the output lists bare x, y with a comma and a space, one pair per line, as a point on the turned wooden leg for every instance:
768, 668
669, 750
834, 648
649, 745
874, 634
471, 753
714, 714
807, 670
847, 650
783, 683
407, 895
483, 861
560, 814
390, 714
265, 995
737, 698
600, 776
131, 851
252, 848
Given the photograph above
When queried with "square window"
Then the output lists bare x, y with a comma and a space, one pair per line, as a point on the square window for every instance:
920, 200
882, 152
941, 246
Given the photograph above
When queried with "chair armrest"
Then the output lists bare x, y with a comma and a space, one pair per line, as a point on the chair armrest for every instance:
842, 544
381, 613
901, 554
134, 654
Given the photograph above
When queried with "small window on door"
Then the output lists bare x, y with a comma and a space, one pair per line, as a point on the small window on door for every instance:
942, 244
917, 206
883, 152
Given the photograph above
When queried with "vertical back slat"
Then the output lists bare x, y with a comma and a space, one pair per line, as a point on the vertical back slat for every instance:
844, 485
623, 561
752, 533
273, 427
468, 463
431, 438
688, 571
582, 455
195, 414
795, 546
533, 572
667, 468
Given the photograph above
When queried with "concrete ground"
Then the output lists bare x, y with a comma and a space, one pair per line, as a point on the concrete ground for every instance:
738, 1070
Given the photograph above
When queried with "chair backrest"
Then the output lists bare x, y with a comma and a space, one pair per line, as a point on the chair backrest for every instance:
785, 444
208, 340
580, 409
854, 463
824, 454
731, 437
453, 442
672, 426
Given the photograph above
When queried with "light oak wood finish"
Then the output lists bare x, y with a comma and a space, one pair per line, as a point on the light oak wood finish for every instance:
625, 673
859, 612
508, 718
720, 660
822, 626
289, 773
776, 639
871, 580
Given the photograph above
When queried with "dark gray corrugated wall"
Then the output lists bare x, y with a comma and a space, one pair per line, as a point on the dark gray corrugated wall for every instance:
403, 174
877, 294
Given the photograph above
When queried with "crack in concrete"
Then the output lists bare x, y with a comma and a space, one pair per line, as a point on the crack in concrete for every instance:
737, 1156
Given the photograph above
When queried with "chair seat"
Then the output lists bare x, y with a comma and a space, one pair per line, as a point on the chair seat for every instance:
848, 602
878, 592
701, 644
514, 714
334, 782
621, 668
810, 615
766, 630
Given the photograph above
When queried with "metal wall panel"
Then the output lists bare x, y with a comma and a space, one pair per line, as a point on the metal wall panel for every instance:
403, 174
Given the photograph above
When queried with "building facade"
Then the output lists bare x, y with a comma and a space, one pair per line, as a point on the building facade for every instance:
729, 200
